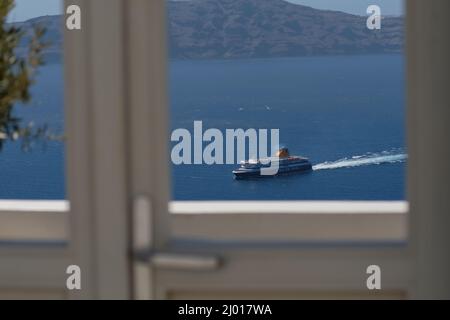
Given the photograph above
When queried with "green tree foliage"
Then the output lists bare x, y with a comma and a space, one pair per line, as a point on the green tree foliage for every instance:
17, 74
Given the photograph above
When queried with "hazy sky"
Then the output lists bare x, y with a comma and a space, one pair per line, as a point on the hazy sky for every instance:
26, 9
388, 7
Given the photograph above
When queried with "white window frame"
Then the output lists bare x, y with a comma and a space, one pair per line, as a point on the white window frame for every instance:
96, 66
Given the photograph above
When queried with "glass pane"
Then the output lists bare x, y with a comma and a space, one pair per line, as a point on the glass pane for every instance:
32, 127
328, 74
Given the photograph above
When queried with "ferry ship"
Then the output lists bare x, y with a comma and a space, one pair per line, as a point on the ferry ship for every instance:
287, 164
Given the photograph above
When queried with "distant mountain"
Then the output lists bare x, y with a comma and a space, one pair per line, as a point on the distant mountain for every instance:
53, 25
272, 28
217, 29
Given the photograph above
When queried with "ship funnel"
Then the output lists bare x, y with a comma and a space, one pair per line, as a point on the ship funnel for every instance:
283, 153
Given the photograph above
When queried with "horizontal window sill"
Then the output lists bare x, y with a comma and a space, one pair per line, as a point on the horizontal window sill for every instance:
304, 221
230, 221
288, 207
33, 206
23, 221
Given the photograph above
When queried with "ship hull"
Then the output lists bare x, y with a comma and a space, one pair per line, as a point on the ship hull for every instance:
243, 173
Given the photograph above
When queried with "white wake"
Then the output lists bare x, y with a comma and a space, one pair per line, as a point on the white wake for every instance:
364, 160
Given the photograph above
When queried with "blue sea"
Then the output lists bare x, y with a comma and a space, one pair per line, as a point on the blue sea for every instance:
345, 113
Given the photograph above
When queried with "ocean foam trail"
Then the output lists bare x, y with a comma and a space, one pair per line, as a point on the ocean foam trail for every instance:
358, 161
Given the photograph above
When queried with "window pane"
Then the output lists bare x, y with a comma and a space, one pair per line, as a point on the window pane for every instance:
330, 81
32, 154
